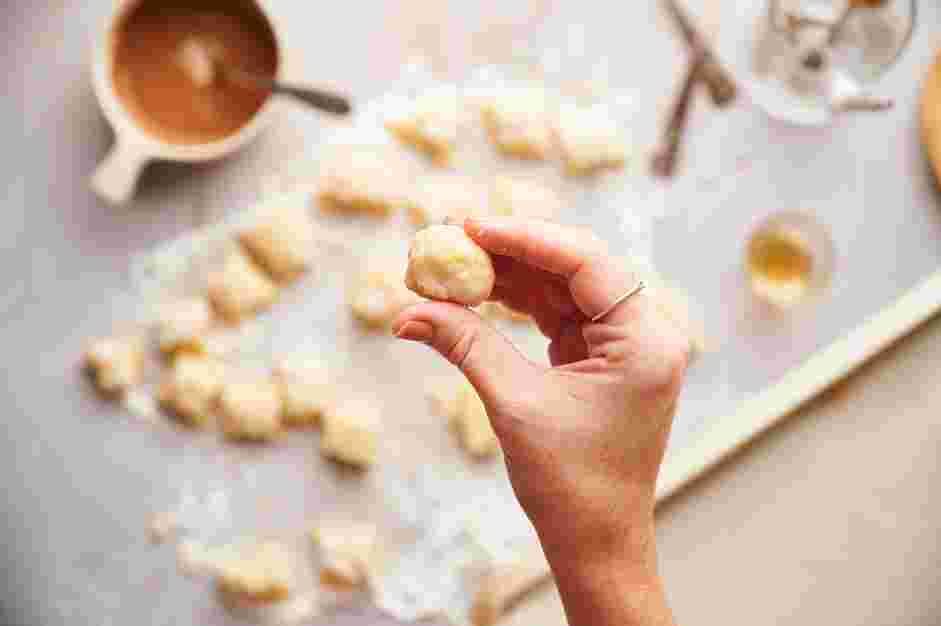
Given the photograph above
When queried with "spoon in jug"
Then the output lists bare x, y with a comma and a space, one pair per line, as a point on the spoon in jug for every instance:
204, 66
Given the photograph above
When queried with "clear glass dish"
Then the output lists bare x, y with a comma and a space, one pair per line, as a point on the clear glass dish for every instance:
809, 58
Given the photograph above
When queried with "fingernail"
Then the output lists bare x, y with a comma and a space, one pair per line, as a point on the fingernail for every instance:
474, 227
416, 331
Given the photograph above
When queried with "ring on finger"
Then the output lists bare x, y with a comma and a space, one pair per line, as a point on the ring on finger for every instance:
627, 295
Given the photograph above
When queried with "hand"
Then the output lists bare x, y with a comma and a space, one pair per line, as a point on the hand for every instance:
583, 440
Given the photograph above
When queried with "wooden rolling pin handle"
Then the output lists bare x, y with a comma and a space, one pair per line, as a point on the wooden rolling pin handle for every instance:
665, 157
720, 84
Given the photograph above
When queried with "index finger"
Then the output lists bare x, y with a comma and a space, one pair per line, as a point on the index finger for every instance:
595, 278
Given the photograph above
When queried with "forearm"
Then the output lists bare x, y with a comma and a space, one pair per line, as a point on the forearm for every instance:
618, 588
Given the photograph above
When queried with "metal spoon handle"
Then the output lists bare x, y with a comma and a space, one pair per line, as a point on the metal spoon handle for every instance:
317, 98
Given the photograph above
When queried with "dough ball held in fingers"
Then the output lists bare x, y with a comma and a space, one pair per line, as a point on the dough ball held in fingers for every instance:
594, 278
445, 264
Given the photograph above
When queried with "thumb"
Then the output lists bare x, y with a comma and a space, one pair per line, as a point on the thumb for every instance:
489, 361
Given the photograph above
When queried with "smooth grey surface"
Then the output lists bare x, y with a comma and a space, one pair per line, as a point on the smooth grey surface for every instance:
80, 481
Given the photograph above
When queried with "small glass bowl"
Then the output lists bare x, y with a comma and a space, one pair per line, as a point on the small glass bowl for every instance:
801, 66
789, 259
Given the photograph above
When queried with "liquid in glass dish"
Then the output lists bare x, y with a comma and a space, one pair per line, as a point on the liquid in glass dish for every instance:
788, 259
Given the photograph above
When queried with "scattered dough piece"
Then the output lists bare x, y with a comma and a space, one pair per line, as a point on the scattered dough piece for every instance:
306, 392
191, 388
367, 180
247, 574
349, 553
517, 122
256, 573
499, 311
251, 410
447, 199
141, 404
505, 586
378, 297
673, 302
161, 527
522, 198
431, 124
183, 325
301, 608
116, 363
240, 288
351, 434
590, 140
469, 420
445, 264
194, 558
282, 241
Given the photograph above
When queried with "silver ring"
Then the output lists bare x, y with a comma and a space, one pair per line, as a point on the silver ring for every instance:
625, 296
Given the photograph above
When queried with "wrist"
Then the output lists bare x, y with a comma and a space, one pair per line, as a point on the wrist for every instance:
617, 588
628, 548
612, 578
616, 526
